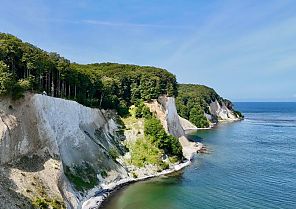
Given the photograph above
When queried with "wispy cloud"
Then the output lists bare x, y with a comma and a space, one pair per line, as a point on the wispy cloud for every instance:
135, 25
116, 24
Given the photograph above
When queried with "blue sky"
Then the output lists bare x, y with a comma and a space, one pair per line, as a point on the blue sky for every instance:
246, 50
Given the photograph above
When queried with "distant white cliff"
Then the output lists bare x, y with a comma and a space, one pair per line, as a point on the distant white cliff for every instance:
221, 111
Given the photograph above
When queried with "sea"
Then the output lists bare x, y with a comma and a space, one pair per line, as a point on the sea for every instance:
249, 164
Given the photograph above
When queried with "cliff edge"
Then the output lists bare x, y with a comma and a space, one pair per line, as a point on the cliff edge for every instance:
59, 151
165, 109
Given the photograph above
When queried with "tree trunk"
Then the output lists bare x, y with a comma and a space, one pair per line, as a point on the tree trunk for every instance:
102, 95
75, 91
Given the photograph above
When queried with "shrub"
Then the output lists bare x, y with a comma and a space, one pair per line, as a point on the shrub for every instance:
82, 176
142, 111
197, 117
238, 114
154, 130
46, 203
143, 152
113, 153
104, 173
134, 175
164, 166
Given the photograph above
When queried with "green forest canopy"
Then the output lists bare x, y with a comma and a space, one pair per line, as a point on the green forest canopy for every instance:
193, 101
106, 85
26, 67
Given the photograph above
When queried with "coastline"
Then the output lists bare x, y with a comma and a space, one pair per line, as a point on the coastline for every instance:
96, 197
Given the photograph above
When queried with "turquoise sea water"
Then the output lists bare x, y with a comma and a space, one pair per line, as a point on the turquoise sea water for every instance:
251, 164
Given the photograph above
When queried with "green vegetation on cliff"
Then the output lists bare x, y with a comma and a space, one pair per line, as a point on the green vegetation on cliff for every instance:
143, 152
154, 130
107, 85
154, 143
193, 101
46, 203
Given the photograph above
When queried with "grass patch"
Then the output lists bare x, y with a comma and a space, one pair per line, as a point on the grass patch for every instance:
113, 153
83, 177
173, 159
46, 203
143, 152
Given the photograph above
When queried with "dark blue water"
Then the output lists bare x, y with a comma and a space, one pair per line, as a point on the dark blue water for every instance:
252, 164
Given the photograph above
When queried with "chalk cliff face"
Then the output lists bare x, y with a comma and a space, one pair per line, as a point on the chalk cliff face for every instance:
76, 133
76, 137
165, 109
44, 139
174, 126
222, 112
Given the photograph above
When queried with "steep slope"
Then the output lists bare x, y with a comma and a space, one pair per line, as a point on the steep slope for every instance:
203, 107
165, 109
59, 152
43, 137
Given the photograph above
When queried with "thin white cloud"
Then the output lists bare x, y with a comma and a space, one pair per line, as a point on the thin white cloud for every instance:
136, 25
116, 24
257, 40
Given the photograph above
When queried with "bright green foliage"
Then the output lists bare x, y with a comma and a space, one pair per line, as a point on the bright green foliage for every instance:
128, 83
154, 130
197, 117
46, 203
105, 85
142, 111
6, 79
143, 152
192, 102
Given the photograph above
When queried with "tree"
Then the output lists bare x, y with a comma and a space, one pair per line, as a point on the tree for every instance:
6, 79
197, 118
104, 85
154, 130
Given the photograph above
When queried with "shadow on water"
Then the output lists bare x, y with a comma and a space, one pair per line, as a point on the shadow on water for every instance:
192, 136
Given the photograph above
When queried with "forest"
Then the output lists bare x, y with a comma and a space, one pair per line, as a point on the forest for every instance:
24, 67
193, 101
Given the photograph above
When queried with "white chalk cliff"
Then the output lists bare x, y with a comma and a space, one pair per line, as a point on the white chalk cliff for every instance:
221, 112
165, 109
77, 137
43, 138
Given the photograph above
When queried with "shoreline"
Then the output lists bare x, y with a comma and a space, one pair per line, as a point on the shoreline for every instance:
96, 200
96, 196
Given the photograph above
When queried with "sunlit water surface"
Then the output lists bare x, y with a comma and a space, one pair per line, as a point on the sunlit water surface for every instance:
252, 164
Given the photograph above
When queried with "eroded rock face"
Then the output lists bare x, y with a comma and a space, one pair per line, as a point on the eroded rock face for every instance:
172, 118
68, 130
54, 137
221, 111
76, 136
166, 111
18, 132
76, 133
